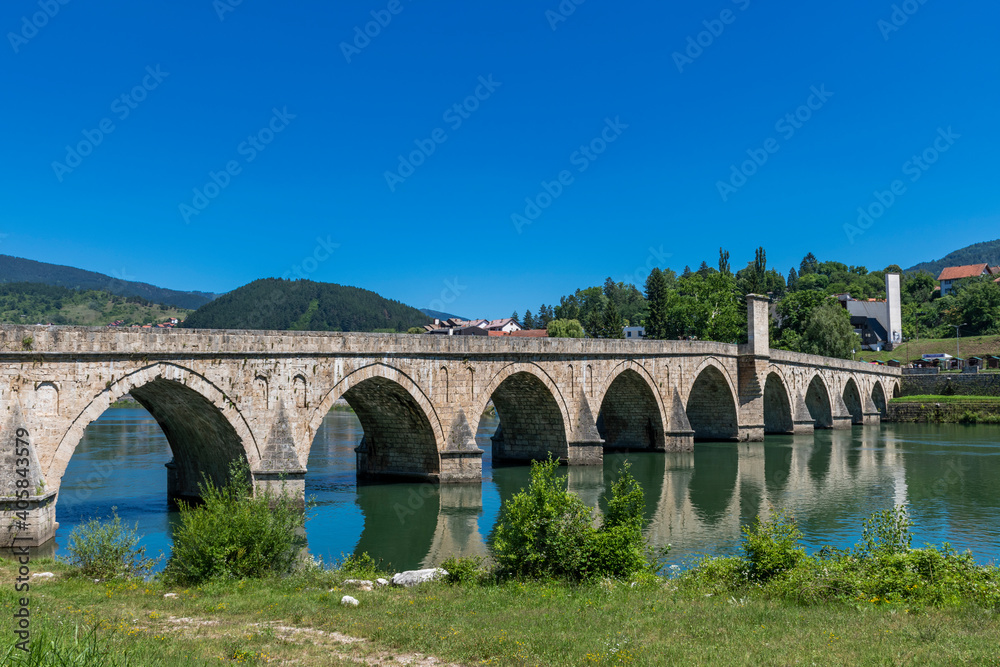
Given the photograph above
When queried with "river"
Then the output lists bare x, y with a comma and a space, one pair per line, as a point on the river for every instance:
949, 475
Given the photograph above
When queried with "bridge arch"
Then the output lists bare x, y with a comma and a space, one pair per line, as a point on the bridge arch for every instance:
403, 436
205, 430
878, 398
777, 403
631, 414
852, 399
818, 402
711, 404
534, 417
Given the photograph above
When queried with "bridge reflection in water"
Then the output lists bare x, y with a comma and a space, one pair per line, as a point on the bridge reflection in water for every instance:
697, 501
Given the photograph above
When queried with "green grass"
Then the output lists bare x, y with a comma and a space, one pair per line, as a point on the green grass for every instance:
928, 398
973, 346
280, 621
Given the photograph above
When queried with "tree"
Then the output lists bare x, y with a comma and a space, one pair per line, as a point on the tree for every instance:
829, 332
724, 262
656, 297
978, 301
758, 278
793, 280
613, 324
565, 329
514, 316
809, 265
594, 324
529, 320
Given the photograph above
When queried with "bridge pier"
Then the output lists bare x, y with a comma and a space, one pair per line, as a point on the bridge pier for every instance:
752, 363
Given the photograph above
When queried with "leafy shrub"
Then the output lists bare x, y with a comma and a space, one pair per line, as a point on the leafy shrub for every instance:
882, 568
361, 566
886, 533
235, 534
771, 547
109, 550
545, 531
465, 570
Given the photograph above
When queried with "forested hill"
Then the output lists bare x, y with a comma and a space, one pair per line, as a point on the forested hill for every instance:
20, 270
37, 303
304, 305
977, 253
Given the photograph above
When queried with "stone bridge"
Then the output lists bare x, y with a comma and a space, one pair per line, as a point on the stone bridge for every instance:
260, 396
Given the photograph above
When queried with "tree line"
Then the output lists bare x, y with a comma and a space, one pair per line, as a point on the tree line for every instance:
709, 304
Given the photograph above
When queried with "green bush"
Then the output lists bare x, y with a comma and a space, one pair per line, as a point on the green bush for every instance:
885, 533
109, 550
545, 531
881, 569
235, 534
361, 566
771, 547
465, 570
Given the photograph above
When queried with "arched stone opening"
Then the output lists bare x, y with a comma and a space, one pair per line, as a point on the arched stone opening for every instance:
630, 416
531, 424
895, 390
203, 442
852, 399
398, 439
777, 406
818, 403
878, 398
711, 408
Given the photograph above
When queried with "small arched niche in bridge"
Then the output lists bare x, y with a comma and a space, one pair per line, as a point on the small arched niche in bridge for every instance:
852, 399
878, 398
777, 406
711, 407
630, 417
818, 403
531, 424
398, 438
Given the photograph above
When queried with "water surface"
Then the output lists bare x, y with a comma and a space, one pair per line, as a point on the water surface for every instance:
697, 502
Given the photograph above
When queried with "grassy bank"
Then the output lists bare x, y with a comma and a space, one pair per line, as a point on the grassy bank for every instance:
938, 409
295, 620
928, 398
973, 346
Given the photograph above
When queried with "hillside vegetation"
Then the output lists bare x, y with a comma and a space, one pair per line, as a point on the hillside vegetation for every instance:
971, 346
19, 270
978, 253
304, 305
33, 303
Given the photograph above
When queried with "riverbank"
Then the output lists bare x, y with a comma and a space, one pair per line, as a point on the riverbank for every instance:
300, 619
971, 346
944, 409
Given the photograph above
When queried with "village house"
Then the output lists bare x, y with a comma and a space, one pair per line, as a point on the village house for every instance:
951, 274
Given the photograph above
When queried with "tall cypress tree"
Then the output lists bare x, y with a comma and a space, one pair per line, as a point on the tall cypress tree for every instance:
529, 321
656, 296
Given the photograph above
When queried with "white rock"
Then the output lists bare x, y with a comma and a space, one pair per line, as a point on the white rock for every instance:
44, 575
170, 595
347, 599
415, 577
381, 582
360, 584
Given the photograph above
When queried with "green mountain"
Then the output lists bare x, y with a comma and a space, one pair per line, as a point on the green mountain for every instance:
35, 303
19, 270
274, 303
977, 253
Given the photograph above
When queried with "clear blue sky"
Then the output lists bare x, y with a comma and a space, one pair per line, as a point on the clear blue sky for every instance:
556, 85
